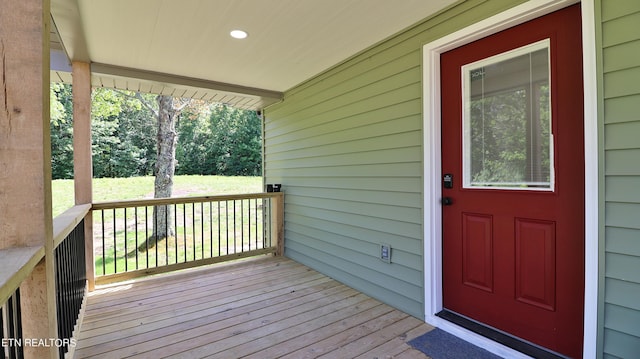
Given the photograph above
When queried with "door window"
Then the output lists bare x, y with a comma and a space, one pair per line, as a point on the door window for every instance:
507, 141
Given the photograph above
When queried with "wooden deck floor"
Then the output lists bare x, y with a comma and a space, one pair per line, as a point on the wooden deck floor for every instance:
262, 308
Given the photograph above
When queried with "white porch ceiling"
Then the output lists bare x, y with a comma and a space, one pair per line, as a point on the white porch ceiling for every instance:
183, 47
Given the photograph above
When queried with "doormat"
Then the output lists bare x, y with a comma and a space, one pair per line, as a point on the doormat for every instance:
439, 344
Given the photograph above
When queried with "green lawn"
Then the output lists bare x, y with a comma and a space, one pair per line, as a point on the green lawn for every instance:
196, 225
202, 230
115, 189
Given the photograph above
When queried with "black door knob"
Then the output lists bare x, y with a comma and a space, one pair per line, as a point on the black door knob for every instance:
447, 201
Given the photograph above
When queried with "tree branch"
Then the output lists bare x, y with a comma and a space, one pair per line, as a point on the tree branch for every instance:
183, 105
147, 105
139, 97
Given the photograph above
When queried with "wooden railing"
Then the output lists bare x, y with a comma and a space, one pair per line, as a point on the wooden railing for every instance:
142, 237
207, 230
18, 264
11, 327
71, 277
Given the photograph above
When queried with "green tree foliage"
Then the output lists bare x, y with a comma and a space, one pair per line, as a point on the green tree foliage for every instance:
123, 134
507, 145
226, 142
61, 131
213, 138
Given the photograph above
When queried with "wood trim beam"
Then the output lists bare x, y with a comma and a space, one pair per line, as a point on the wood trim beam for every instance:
68, 12
59, 61
164, 79
82, 156
180, 200
82, 161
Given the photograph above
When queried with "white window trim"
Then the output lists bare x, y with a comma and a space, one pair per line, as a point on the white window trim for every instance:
544, 44
432, 166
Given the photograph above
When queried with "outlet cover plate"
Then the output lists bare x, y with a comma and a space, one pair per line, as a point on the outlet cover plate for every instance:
385, 253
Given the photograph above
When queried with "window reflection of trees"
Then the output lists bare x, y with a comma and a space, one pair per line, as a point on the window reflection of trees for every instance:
510, 127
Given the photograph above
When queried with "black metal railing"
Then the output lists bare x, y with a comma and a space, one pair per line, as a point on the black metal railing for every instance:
71, 279
11, 327
149, 234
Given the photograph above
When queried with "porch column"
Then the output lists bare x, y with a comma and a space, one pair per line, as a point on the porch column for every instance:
82, 162
25, 160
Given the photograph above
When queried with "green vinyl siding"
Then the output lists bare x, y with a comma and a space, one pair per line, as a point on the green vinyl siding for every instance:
623, 109
620, 71
622, 136
622, 241
347, 148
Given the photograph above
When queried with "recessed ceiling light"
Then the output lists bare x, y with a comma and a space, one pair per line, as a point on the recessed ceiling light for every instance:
238, 34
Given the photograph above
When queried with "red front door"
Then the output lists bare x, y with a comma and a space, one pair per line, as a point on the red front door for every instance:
513, 186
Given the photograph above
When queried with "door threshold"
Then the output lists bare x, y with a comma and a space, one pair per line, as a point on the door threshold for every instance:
498, 336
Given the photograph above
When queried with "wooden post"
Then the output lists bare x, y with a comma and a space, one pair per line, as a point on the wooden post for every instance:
277, 222
25, 160
82, 161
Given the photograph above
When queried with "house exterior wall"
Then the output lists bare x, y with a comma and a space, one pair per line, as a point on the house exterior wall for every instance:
620, 77
347, 148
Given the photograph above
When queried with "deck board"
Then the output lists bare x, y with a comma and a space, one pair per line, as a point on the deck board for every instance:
269, 307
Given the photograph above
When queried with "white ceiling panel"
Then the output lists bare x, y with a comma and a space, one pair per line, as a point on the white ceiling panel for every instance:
289, 41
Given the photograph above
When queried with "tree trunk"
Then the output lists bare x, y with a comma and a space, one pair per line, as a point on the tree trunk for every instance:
163, 216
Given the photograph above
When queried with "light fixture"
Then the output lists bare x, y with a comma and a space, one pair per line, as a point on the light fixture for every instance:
238, 34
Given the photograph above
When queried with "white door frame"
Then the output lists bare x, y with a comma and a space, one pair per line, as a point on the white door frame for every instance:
432, 166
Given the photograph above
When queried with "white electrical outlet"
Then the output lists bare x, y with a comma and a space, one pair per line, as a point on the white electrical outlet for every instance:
385, 253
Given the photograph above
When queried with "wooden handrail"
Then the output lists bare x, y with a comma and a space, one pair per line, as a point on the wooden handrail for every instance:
179, 200
19, 262
17, 265
274, 231
64, 223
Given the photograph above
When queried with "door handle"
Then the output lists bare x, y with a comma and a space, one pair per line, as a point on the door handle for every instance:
447, 201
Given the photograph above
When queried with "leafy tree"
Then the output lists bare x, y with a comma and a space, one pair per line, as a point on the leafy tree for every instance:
193, 155
123, 135
61, 131
135, 134
227, 142
240, 141
217, 139
166, 115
